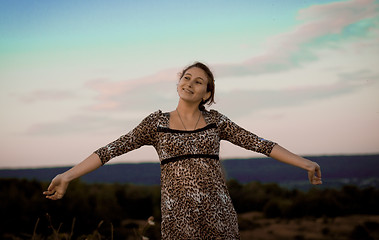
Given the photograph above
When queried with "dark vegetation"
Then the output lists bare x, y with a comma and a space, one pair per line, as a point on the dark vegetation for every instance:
116, 211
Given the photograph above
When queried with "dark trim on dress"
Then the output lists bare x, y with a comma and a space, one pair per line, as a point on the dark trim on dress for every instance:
181, 157
169, 130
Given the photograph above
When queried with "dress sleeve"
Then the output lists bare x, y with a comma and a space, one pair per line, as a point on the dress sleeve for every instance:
237, 135
143, 134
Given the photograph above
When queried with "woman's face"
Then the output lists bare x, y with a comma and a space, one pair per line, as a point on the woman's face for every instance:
192, 87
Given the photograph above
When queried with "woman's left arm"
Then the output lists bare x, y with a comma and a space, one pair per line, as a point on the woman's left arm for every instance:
283, 155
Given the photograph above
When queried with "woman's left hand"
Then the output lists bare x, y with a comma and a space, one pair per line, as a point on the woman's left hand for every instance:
314, 171
314, 174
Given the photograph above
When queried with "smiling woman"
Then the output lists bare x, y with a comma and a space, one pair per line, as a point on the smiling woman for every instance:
195, 202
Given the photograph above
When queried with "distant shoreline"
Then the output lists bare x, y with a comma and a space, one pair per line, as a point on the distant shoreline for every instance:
156, 161
339, 170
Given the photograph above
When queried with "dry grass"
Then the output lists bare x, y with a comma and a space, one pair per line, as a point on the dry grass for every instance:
349, 227
252, 226
132, 230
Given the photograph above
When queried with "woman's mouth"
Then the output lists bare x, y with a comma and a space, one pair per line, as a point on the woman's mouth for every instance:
187, 90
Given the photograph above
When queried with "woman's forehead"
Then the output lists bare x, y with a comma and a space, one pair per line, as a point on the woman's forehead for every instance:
196, 72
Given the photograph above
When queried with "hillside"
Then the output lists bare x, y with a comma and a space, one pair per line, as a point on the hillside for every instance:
361, 170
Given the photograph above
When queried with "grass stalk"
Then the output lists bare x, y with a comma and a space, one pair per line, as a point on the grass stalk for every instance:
35, 229
72, 228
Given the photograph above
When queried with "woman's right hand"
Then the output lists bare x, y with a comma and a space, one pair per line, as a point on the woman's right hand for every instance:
59, 184
57, 188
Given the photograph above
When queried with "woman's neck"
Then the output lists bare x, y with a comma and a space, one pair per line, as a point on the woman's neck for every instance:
187, 110
186, 116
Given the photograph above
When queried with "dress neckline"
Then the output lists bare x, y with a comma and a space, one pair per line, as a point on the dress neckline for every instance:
205, 116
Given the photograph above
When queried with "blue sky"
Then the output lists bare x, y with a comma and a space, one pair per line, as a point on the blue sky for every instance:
76, 75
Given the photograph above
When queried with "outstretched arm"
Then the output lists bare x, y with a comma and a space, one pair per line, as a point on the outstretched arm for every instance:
59, 184
314, 171
233, 133
143, 134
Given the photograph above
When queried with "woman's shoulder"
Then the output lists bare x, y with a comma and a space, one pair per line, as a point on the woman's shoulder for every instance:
215, 112
216, 115
153, 116
156, 113
212, 112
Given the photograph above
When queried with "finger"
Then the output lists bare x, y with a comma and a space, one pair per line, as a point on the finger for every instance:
311, 175
313, 178
52, 197
51, 186
318, 172
316, 180
55, 196
48, 192
318, 175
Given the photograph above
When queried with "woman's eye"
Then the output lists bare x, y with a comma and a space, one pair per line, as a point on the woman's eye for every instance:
199, 82
186, 78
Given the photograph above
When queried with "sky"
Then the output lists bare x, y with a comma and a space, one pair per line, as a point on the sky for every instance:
76, 75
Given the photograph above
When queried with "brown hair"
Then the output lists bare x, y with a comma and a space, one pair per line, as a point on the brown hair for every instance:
210, 85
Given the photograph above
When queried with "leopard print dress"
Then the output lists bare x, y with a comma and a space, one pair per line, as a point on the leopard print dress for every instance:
195, 202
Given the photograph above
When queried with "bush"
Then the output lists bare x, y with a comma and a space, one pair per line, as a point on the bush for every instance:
22, 203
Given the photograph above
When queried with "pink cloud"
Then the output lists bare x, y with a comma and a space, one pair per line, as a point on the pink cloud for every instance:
333, 18
353, 9
107, 90
318, 21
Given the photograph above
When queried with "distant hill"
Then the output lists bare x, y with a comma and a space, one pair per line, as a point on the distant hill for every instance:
361, 170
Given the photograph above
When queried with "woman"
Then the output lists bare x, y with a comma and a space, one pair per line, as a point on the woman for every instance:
195, 202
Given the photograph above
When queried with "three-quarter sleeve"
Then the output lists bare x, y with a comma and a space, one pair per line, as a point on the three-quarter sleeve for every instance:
237, 135
143, 134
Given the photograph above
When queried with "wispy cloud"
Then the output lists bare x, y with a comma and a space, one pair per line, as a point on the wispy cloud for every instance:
46, 95
318, 21
82, 123
135, 106
109, 92
283, 52
348, 82
156, 90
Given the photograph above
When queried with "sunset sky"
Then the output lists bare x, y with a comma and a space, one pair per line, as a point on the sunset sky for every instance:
75, 75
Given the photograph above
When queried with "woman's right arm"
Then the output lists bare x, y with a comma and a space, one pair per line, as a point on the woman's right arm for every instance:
59, 184
143, 134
